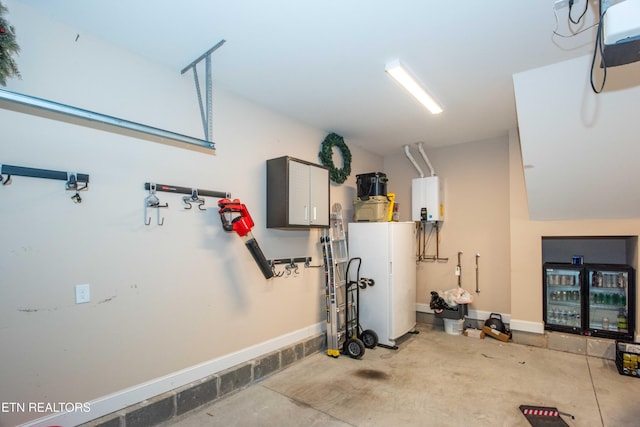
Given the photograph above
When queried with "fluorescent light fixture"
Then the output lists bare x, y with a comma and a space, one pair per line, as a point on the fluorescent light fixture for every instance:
402, 76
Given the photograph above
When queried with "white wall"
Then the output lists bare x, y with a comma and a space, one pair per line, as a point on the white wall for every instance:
580, 148
163, 299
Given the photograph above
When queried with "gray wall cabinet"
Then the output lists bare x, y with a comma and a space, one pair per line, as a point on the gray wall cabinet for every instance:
297, 194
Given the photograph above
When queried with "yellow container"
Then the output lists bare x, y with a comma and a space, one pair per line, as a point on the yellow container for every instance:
392, 201
375, 209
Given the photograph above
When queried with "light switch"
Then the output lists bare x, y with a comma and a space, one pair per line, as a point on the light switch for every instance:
83, 293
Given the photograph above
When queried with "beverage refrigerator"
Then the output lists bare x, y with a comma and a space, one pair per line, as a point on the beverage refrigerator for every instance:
590, 299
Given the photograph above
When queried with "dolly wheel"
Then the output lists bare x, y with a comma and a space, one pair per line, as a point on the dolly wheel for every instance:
369, 338
354, 348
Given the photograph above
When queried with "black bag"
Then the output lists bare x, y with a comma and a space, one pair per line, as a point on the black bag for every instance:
437, 302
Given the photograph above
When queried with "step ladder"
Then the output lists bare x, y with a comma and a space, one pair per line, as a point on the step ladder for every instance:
336, 259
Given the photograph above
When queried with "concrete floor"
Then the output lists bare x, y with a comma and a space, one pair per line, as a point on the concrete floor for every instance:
433, 379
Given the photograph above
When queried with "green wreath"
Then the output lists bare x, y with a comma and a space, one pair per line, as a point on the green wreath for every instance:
8, 47
326, 157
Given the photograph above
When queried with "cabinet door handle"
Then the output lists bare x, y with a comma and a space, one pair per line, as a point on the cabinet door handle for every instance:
315, 217
306, 213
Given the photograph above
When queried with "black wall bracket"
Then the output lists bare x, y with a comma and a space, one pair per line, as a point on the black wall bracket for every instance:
187, 190
193, 197
290, 265
73, 180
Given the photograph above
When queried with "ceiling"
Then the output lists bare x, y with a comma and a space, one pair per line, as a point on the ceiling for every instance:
323, 62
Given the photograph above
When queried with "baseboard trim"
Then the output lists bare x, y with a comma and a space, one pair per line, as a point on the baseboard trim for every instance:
141, 392
527, 326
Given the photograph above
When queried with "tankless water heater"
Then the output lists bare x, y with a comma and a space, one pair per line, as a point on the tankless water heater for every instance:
427, 203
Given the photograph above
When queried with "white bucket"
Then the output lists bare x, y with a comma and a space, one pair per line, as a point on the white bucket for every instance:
453, 326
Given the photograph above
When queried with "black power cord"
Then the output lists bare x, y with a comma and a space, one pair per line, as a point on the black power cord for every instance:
571, 2
599, 48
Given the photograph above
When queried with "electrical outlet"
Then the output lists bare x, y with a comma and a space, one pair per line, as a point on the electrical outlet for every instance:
83, 293
560, 4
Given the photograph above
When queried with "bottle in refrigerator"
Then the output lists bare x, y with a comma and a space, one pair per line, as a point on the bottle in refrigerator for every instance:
613, 289
563, 294
590, 299
622, 321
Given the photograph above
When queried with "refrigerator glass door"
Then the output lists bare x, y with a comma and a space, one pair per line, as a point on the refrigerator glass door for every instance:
608, 300
563, 298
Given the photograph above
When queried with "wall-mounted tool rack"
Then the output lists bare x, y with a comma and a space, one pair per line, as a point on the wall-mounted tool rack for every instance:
194, 194
305, 260
73, 180
54, 110
187, 190
290, 265
43, 173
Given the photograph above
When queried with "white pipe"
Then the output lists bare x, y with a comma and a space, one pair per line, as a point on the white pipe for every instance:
426, 160
413, 161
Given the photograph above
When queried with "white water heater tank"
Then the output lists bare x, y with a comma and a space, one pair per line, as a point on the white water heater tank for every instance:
427, 204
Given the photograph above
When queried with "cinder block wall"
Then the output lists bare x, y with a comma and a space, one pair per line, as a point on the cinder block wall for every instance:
214, 387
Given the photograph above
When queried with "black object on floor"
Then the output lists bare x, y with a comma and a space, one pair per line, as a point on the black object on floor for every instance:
543, 416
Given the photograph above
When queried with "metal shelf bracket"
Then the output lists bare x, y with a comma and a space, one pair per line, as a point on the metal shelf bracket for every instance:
207, 114
56, 111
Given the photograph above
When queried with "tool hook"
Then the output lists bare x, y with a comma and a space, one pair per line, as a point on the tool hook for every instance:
273, 269
197, 199
201, 204
294, 267
194, 198
186, 201
152, 201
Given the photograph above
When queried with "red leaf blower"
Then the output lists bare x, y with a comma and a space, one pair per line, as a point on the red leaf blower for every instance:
235, 217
